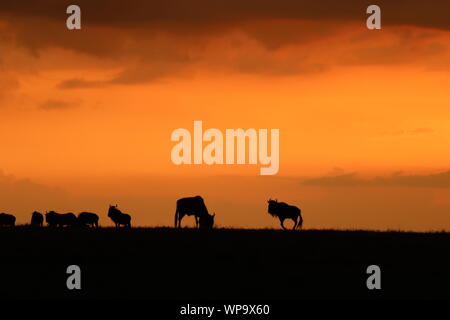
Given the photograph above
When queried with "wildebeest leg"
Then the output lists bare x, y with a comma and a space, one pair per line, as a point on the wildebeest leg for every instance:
180, 217
196, 222
177, 218
282, 223
295, 223
300, 223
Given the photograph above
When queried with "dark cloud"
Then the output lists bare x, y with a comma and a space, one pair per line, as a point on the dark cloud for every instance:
132, 75
181, 14
36, 34
52, 104
438, 180
147, 71
152, 40
79, 83
42, 23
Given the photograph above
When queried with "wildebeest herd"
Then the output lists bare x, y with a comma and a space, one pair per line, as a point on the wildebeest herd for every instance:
191, 206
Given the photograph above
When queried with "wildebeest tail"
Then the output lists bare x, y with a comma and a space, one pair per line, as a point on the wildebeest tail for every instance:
176, 217
300, 223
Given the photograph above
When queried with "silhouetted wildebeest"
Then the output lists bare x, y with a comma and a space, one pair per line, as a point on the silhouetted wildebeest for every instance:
193, 206
118, 217
55, 219
88, 219
37, 219
7, 219
284, 211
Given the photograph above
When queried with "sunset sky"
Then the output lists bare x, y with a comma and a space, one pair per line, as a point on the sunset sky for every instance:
364, 115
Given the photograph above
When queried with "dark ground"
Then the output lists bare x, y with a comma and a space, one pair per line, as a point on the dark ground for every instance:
222, 263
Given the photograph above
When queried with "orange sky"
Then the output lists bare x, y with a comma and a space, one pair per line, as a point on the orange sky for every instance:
86, 116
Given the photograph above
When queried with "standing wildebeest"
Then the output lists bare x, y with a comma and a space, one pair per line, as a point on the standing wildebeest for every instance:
193, 206
55, 219
88, 219
37, 219
284, 211
118, 217
7, 219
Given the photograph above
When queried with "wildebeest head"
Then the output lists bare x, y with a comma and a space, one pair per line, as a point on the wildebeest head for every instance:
112, 210
273, 207
51, 217
36, 214
50, 214
207, 221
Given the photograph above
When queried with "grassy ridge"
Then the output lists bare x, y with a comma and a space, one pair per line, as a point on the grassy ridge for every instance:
222, 263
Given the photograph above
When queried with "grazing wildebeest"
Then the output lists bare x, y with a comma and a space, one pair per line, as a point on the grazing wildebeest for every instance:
55, 219
37, 219
118, 217
7, 219
88, 219
193, 206
284, 211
